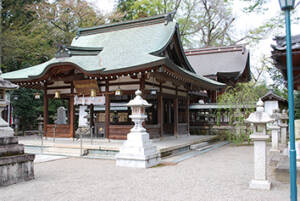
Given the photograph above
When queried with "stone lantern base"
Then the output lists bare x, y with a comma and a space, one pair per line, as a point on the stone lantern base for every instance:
138, 152
15, 165
260, 184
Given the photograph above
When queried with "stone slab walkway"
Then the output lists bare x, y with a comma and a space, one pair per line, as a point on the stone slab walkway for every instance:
219, 175
163, 144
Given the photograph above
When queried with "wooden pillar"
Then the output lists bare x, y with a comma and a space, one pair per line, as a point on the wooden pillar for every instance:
45, 109
142, 83
107, 109
92, 123
160, 114
71, 106
71, 111
188, 114
176, 114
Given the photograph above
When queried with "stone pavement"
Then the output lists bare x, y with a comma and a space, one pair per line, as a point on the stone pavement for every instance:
222, 174
71, 147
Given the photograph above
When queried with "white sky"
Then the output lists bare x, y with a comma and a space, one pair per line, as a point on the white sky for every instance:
243, 23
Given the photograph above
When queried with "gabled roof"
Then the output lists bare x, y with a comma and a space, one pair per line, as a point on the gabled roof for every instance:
116, 48
270, 95
281, 42
279, 57
231, 62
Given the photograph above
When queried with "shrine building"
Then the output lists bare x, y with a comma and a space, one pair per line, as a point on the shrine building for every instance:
105, 65
227, 64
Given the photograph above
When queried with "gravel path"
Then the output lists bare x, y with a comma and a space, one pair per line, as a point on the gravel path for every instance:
219, 175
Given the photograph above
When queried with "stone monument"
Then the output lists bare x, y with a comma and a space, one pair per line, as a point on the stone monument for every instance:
61, 116
259, 119
15, 165
137, 150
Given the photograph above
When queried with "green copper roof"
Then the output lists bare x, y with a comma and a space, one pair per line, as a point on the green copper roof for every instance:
122, 47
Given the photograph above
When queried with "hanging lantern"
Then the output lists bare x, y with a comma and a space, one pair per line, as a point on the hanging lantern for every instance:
118, 92
37, 96
57, 94
153, 91
93, 92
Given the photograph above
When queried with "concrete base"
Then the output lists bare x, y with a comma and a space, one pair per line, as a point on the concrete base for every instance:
260, 184
15, 166
137, 162
138, 152
16, 169
6, 131
275, 150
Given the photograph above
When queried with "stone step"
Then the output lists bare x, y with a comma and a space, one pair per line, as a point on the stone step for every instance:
198, 146
173, 160
8, 140
63, 151
11, 149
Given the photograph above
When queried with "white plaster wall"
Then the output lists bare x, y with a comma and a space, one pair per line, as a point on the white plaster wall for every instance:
270, 106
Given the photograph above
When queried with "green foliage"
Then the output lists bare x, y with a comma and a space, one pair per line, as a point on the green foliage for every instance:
26, 107
210, 21
297, 105
242, 96
31, 31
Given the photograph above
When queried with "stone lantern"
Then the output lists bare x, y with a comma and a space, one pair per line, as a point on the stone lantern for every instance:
137, 150
283, 126
16, 166
5, 130
259, 119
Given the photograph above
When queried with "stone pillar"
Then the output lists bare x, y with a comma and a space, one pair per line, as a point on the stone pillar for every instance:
275, 137
283, 127
137, 150
259, 119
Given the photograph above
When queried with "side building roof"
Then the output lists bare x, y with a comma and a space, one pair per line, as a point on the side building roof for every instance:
117, 48
279, 57
226, 64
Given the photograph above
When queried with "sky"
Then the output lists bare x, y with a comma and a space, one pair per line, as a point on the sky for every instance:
243, 23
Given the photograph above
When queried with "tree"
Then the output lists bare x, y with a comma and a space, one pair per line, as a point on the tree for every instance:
241, 96
31, 31
26, 108
210, 20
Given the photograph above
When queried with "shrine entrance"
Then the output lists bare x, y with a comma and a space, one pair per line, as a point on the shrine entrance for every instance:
168, 116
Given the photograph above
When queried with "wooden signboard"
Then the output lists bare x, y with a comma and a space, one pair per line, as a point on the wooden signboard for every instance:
83, 87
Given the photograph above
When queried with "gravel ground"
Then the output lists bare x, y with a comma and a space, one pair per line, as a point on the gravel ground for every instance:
219, 175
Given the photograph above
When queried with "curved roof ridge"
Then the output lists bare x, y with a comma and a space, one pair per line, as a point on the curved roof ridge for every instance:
164, 18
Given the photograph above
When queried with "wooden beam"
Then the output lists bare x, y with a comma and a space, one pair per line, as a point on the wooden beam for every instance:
107, 110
